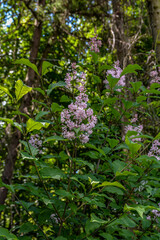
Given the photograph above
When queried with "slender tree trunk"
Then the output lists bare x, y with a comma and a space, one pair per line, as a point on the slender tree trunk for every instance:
14, 139
154, 15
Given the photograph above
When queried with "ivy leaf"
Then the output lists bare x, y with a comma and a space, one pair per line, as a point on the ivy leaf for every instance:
21, 89
27, 63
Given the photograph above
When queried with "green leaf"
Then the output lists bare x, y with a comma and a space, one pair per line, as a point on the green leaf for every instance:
104, 67
33, 125
40, 90
45, 67
41, 114
106, 236
48, 172
55, 85
112, 81
21, 89
27, 63
113, 142
25, 155
125, 221
5, 90
94, 57
96, 79
133, 147
115, 184
54, 138
94, 218
91, 226
125, 173
27, 227
56, 107
65, 98
64, 193
139, 208
5, 233
95, 148
136, 86
130, 69
30, 150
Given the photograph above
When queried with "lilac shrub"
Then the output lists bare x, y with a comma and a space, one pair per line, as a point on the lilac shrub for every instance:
115, 72
155, 150
36, 142
135, 128
78, 120
95, 44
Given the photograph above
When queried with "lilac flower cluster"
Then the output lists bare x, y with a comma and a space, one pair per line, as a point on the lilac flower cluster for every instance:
155, 76
36, 142
138, 128
155, 150
156, 214
78, 120
95, 44
115, 72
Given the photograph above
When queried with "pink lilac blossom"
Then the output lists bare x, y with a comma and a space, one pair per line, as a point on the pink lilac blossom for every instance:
138, 128
115, 72
95, 44
156, 214
155, 76
78, 120
155, 150
36, 142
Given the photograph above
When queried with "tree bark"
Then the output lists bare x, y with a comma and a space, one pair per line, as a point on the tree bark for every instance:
154, 15
14, 139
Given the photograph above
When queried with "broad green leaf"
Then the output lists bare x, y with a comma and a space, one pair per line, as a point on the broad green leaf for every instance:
104, 67
33, 125
133, 147
5, 233
25, 155
40, 90
91, 154
95, 148
96, 79
112, 81
115, 184
106, 236
27, 227
96, 219
53, 173
30, 150
156, 137
54, 138
136, 86
45, 67
91, 226
64, 193
21, 89
139, 209
55, 85
125, 173
125, 221
56, 107
65, 98
94, 57
41, 114
130, 69
112, 142
27, 63
5, 90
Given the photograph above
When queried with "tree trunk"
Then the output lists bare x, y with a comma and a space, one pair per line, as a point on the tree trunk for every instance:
14, 139
154, 15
